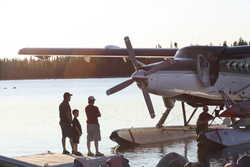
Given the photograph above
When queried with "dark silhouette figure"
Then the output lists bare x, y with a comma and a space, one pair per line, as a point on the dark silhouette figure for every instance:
202, 122
93, 128
66, 121
77, 132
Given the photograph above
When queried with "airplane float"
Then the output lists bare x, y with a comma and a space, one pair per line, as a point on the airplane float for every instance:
196, 75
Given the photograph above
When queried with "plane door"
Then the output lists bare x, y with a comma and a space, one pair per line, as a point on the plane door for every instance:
203, 68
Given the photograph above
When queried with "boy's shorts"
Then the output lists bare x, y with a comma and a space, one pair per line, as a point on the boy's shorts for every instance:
75, 139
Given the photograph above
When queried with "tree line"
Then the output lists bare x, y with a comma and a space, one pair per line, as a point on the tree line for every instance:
65, 67
77, 67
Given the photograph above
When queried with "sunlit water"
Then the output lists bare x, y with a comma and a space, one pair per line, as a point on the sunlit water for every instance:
30, 118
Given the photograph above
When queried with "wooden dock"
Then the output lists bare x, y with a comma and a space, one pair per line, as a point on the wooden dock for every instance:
39, 160
48, 160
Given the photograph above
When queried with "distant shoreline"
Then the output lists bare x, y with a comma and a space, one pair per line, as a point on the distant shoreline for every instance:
64, 78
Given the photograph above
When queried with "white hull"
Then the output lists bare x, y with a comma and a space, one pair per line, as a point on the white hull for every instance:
152, 135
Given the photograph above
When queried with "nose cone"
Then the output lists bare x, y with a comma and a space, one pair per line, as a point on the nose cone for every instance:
139, 76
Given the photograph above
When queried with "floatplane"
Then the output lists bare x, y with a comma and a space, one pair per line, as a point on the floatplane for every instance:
196, 75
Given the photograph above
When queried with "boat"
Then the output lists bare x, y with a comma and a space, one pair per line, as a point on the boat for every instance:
130, 137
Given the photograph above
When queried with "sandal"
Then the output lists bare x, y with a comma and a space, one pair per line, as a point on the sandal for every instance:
98, 154
90, 154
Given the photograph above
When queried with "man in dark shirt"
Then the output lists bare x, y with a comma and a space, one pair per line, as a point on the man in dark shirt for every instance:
202, 122
93, 128
66, 121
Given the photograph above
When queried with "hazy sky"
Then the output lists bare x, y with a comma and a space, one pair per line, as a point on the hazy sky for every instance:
96, 23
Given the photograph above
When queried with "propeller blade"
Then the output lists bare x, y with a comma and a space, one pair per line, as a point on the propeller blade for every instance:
131, 53
119, 87
148, 102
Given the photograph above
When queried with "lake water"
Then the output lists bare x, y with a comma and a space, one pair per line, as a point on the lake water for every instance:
30, 118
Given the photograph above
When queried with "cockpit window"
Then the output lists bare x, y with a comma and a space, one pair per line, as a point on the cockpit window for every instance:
193, 51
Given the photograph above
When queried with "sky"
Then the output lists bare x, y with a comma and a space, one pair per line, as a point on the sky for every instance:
96, 23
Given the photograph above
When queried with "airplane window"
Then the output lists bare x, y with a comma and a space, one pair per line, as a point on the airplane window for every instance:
241, 67
244, 67
228, 64
184, 53
204, 63
247, 67
235, 65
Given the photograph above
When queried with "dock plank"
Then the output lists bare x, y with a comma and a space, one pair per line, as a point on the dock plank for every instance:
60, 160
50, 159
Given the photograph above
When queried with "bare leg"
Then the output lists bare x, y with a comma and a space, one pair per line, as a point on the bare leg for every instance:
63, 143
88, 146
74, 148
72, 144
96, 146
97, 149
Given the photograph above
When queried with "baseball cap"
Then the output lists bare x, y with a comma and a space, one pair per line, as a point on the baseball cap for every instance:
67, 94
91, 98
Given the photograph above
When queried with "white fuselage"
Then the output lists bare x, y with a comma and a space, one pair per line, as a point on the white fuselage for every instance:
173, 83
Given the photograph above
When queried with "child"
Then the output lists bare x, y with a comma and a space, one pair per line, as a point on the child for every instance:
77, 132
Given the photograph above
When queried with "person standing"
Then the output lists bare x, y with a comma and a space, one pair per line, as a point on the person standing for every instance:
202, 122
93, 127
66, 121
77, 132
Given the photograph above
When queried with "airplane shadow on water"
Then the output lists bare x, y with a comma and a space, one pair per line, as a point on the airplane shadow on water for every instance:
187, 148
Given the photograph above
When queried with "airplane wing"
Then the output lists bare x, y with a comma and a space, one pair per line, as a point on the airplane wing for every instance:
235, 52
99, 52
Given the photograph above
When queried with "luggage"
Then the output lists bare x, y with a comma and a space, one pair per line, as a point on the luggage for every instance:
172, 160
110, 161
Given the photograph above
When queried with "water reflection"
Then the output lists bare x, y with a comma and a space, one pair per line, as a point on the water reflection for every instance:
219, 158
154, 152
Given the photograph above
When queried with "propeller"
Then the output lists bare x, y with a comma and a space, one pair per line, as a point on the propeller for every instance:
119, 87
138, 76
131, 53
148, 102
